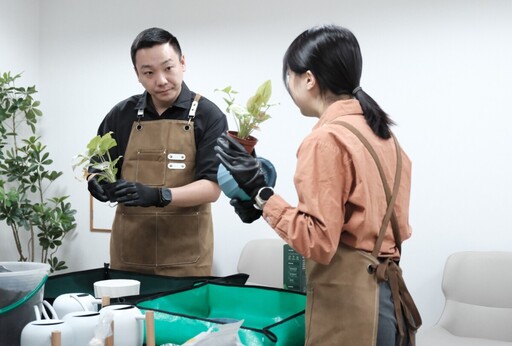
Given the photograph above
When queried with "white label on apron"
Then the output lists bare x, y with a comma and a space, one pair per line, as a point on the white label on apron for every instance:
173, 156
175, 165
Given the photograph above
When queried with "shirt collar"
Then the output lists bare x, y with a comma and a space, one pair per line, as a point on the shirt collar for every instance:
340, 108
184, 99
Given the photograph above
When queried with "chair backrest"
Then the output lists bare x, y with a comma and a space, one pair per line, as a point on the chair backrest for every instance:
478, 291
262, 259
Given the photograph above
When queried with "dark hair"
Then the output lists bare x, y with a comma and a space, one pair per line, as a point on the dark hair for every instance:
333, 55
152, 37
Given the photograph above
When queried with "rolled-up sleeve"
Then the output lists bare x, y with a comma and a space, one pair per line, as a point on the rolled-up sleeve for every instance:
322, 180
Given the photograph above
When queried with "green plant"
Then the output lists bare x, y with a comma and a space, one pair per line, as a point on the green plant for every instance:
97, 158
25, 177
250, 117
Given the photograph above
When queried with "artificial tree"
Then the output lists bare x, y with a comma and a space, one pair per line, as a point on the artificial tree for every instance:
25, 176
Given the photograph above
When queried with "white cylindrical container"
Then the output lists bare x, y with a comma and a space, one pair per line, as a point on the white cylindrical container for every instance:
115, 288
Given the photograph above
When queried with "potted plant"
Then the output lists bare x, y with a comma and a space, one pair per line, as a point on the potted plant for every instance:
25, 177
97, 160
247, 119
250, 117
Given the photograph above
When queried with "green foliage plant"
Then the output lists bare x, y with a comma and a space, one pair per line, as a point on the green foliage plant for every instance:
97, 159
25, 176
255, 112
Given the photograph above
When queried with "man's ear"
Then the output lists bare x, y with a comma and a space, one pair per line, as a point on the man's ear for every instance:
183, 64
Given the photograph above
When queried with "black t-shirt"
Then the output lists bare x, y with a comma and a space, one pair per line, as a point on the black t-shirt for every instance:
209, 123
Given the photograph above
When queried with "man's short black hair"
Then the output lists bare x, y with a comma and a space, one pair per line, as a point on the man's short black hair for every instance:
152, 37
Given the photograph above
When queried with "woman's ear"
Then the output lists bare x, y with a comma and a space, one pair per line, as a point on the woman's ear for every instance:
310, 80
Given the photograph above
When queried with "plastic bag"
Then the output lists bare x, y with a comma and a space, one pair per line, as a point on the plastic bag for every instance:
226, 334
103, 329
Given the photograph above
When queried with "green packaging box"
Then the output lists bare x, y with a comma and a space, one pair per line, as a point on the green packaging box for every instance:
294, 270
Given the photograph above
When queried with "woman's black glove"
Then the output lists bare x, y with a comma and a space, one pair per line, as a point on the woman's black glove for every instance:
245, 210
138, 195
244, 168
96, 190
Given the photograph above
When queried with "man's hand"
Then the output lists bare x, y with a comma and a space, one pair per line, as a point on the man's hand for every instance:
96, 190
245, 169
137, 194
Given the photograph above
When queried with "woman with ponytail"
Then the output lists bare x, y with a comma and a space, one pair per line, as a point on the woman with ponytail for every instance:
353, 184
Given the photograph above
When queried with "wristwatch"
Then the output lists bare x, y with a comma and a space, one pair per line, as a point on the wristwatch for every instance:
165, 196
263, 196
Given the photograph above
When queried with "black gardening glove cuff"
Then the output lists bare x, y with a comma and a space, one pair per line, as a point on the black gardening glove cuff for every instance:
245, 210
138, 195
244, 168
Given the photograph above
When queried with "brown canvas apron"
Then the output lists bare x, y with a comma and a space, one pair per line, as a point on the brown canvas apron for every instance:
175, 241
343, 297
342, 305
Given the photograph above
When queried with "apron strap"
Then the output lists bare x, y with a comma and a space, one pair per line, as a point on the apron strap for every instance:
389, 270
140, 115
405, 308
193, 108
391, 197
191, 113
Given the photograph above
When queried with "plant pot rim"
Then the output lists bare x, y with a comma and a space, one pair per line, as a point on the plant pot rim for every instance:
248, 138
248, 143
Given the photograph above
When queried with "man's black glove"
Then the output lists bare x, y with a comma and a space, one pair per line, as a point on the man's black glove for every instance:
244, 168
139, 195
245, 210
96, 190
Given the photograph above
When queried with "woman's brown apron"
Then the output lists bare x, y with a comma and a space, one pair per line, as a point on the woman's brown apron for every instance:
174, 241
343, 297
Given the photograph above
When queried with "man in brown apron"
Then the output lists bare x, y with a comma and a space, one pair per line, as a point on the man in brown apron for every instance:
165, 138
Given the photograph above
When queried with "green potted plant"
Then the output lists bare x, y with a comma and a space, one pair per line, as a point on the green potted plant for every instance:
97, 160
248, 118
25, 176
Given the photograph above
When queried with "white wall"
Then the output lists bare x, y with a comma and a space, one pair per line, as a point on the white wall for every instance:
19, 38
441, 69
19, 53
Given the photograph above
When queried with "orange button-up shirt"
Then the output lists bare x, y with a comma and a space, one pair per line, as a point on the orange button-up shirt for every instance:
340, 192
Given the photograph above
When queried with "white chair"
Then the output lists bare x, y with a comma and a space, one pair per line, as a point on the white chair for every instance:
478, 309
262, 260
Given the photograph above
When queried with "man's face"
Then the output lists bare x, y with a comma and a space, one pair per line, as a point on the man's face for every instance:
160, 71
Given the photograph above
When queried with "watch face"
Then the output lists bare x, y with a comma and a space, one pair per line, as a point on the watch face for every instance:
266, 193
166, 195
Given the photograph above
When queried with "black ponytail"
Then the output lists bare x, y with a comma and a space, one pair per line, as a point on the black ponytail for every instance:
376, 118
